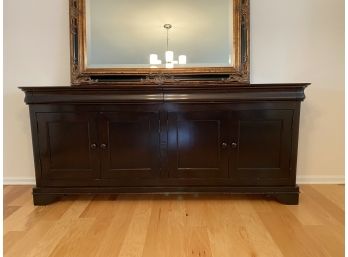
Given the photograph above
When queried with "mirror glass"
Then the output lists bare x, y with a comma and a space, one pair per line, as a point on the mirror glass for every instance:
159, 33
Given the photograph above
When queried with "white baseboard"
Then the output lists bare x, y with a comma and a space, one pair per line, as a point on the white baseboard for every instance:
320, 180
300, 180
19, 181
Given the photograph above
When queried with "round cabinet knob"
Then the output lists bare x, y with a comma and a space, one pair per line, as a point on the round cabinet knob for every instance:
103, 146
93, 146
234, 145
224, 145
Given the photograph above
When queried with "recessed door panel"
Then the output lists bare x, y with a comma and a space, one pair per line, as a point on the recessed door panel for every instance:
260, 144
196, 144
262, 149
130, 144
68, 145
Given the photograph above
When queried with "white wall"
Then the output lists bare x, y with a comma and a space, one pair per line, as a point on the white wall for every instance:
292, 41
303, 41
36, 53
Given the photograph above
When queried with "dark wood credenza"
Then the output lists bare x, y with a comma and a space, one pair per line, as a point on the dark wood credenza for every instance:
148, 139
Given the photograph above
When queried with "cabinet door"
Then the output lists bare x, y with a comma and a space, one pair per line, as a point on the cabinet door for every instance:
197, 145
67, 143
261, 147
130, 144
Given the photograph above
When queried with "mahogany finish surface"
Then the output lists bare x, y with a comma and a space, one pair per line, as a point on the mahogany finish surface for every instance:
149, 139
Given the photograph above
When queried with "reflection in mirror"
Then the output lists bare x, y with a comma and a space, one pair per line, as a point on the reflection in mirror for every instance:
159, 33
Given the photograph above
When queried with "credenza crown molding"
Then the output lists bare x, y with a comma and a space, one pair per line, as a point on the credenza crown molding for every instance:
184, 92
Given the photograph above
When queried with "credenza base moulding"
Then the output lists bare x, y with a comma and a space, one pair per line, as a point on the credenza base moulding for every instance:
285, 195
234, 139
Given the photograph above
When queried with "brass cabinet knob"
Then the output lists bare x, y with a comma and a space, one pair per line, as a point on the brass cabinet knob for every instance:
224, 145
93, 146
103, 146
234, 145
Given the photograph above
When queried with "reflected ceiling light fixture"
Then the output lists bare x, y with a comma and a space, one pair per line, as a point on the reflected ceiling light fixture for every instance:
169, 55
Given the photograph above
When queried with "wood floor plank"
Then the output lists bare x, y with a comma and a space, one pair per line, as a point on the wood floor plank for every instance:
9, 210
238, 230
11, 238
198, 243
332, 242
133, 244
47, 243
6, 188
158, 240
290, 235
326, 212
23, 197
254, 233
167, 232
25, 243
50, 213
68, 245
175, 226
98, 207
111, 242
334, 193
195, 209
31, 215
17, 221
13, 192
102, 212
304, 212
224, 228
323, 203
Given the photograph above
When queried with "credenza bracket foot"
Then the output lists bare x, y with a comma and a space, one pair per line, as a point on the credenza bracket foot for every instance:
44, 199
287, 198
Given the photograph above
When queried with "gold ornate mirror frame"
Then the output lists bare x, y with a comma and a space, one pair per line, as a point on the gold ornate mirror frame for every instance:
82, 75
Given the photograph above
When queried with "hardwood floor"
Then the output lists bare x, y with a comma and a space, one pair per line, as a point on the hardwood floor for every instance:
175, 226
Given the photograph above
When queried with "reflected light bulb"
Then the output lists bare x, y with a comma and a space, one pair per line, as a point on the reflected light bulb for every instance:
182, 59
153, 59
169, 56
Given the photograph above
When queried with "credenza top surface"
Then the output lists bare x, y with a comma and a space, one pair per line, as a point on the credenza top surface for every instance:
127, 93
182, 86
